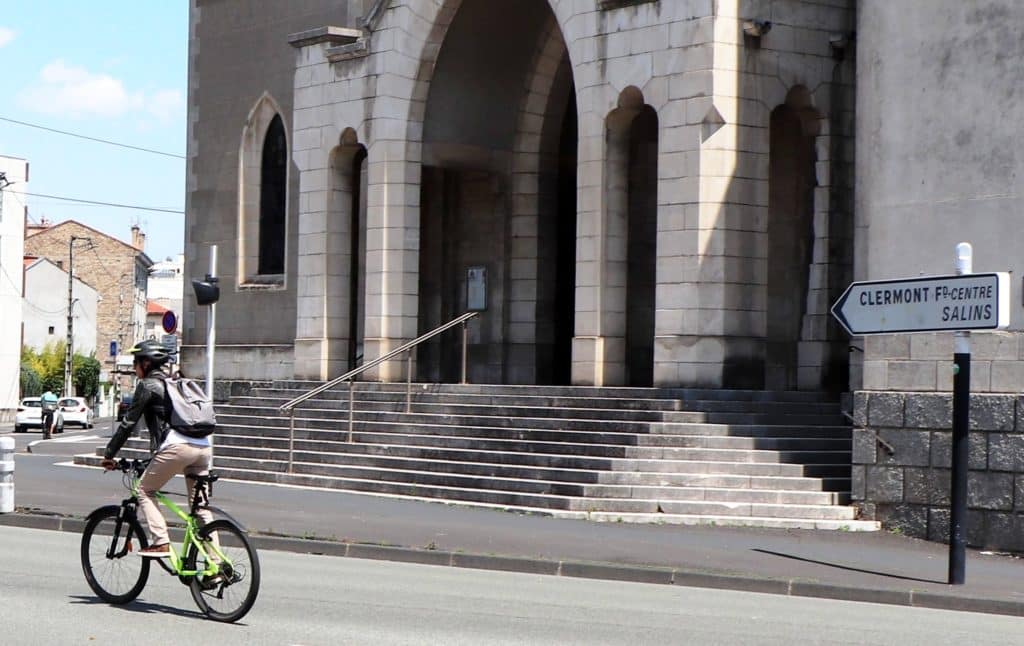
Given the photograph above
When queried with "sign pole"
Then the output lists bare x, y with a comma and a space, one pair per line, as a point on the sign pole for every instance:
211, 328
961, 448
211, 338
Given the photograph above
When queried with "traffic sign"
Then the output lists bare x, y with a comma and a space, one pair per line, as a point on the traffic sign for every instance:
926, 304
170, 322
170, 343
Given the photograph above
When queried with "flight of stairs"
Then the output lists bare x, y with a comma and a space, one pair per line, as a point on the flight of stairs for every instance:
686, 456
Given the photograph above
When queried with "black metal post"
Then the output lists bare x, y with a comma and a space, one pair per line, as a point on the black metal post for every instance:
958, 478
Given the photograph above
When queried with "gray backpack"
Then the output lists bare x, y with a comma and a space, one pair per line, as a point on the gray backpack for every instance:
189, 410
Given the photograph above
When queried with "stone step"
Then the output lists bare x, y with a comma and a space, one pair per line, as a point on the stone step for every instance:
476, 427
523, 441
337, 452
591, 482
530, 494
726, 481
753, 430
583, 409
427, 398
769, 510
331, 419
647, 445
563, 470
620, 392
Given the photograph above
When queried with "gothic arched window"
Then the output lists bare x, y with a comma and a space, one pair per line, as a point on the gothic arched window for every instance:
273, 182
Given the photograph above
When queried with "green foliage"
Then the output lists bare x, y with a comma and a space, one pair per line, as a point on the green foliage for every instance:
47, 366
31, 383
86, 375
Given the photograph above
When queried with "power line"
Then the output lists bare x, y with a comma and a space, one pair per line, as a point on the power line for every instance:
96, 203
96, 139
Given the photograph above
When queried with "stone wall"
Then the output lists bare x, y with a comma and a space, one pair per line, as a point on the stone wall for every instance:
902, 457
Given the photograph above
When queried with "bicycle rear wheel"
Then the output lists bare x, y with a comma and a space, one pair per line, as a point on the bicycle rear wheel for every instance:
112, 568
232, 593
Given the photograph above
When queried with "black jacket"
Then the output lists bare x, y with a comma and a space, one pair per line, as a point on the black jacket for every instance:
148, 403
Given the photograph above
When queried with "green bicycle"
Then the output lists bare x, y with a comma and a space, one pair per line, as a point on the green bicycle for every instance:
217, 562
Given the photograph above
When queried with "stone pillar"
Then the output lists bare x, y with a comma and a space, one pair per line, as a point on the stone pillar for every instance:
392, 256
597, 352
325, 262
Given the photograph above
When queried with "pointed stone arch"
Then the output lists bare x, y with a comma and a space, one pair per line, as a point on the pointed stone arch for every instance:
629, 246
792, 239
263, 196
332, 243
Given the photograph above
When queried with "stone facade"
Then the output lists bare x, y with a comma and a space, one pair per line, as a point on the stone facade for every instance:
12, 235
45, 314
116, 269
429, 138
928, 178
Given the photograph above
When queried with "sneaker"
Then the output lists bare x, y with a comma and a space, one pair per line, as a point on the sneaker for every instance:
156, 551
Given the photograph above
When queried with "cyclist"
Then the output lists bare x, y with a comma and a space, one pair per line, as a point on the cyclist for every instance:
172, 452
48, 402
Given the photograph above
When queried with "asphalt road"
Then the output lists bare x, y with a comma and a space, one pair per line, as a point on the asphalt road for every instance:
308, 599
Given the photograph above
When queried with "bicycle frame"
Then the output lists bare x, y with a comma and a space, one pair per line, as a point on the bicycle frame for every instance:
191, 537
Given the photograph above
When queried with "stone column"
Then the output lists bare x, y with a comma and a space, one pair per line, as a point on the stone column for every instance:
598, 352
392, 255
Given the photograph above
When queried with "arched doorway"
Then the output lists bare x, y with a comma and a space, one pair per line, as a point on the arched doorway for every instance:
631, 192
498, 195
792, 180
346, 230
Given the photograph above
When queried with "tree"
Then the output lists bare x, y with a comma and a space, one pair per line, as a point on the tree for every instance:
86, 375
48, 367
31, 383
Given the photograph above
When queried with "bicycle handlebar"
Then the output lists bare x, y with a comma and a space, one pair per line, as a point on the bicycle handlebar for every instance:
125, 465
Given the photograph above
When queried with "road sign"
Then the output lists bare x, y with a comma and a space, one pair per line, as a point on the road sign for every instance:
926, 304
170, 342
170, 322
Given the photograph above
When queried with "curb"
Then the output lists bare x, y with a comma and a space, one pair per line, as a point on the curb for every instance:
582, 569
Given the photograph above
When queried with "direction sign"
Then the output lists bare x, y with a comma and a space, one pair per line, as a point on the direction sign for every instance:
926, 304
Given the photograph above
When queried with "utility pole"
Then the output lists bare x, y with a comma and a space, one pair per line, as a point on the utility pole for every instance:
69, 345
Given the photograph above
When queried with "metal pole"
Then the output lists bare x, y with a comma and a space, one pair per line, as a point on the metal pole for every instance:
211, 329
211, 340
68, 351
961, 421
465, 337
408, 380
291, 439
351, 384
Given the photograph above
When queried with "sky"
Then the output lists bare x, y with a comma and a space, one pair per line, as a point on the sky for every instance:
114, 70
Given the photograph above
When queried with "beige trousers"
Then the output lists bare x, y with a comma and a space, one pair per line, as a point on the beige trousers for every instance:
167, 463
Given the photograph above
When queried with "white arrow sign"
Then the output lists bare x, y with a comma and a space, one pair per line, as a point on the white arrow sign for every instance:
927, 304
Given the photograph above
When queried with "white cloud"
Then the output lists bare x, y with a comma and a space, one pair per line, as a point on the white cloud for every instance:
6, 36
76, 92
165, 104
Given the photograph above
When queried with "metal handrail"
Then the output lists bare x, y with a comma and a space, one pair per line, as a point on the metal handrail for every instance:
289, 407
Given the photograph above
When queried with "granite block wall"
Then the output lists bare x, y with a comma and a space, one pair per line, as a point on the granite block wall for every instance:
902, 458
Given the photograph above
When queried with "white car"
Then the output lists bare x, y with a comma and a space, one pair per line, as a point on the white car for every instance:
30, 415
76, 411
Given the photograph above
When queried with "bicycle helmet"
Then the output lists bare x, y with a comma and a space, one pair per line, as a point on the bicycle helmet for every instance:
151, 351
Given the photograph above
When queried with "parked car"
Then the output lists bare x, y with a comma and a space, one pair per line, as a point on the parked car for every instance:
76, 411
30, 415
123, 406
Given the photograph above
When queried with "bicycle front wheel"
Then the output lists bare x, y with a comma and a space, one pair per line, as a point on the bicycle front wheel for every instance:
112, 567
230, 594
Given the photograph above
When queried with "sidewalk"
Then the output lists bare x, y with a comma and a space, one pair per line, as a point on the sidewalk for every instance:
878, 567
